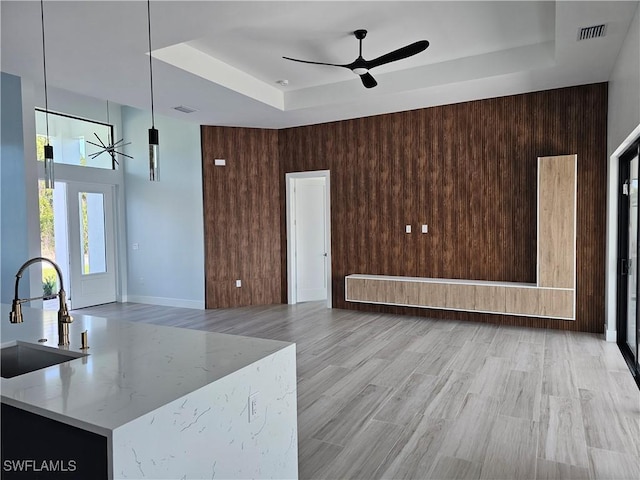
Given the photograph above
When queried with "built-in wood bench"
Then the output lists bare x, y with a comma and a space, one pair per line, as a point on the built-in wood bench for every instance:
552, 296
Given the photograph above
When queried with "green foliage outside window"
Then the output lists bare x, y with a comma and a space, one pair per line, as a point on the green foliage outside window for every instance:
49, 283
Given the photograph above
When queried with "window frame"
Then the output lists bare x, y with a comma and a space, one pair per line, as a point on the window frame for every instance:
74, 117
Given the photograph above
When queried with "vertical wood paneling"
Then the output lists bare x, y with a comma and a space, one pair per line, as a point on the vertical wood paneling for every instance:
241, 216
469, 171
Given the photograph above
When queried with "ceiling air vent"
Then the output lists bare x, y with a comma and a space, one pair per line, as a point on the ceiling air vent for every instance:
184, 109
592, 32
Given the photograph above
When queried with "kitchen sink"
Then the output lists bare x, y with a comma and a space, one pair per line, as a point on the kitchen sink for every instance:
21, 358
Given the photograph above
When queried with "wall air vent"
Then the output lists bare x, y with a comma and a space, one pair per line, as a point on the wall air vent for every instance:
592, 32
184, 109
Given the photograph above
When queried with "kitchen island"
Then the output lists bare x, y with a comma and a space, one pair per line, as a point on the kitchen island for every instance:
163, 402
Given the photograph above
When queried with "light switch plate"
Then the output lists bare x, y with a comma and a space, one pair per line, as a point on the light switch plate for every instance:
238, 283
425, 228
407, 229
253, 406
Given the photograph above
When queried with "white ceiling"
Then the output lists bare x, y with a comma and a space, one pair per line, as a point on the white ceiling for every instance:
224, 58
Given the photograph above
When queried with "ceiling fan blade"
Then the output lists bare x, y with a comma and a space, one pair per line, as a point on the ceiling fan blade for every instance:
368, 81
399, 54
314, 63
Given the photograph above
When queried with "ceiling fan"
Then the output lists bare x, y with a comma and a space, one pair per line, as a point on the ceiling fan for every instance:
361, 67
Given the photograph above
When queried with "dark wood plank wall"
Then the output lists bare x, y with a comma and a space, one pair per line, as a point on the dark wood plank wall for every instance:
241, 216
469, 171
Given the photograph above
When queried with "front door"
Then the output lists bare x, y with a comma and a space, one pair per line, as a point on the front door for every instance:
91, 244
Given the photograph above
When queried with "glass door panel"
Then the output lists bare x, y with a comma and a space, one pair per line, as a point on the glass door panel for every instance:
628, 325
632, 255
92, 234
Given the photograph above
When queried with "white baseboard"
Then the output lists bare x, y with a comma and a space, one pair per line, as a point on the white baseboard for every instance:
166, 302
611, 335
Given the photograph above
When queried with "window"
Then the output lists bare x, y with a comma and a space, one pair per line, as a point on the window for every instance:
92, 233
72, 140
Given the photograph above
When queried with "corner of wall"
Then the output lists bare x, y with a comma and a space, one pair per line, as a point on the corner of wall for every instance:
622, 119
13, 201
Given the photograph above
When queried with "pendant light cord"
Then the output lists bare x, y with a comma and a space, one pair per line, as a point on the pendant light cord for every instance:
109, 125
150, 58
44, 63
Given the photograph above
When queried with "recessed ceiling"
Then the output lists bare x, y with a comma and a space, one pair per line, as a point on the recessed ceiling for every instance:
224, 59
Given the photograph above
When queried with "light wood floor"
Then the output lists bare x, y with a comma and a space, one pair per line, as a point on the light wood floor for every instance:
384, 396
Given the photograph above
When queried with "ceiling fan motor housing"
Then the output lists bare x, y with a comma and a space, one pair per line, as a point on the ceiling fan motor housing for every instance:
360, 34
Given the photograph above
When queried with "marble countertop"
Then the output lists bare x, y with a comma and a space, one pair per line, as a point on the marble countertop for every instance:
131, 370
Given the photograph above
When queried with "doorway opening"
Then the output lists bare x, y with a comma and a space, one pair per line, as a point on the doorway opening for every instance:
308, 208
77, 232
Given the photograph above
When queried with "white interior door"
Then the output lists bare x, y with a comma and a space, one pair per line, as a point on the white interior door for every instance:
91, 244
310, 238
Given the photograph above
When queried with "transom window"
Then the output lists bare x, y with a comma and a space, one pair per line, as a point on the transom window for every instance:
71, 137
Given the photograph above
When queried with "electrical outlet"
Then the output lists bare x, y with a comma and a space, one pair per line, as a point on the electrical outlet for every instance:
238, 283
407, 228
254, 404
425, 228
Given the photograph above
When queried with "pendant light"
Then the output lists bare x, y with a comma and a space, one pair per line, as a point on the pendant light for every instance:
153, 132
110, 147
49, 179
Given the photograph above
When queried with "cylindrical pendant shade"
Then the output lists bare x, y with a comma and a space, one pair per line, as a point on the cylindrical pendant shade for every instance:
49, 179
154, 152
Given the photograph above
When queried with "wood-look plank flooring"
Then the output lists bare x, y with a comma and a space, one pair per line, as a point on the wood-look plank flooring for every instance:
387, 396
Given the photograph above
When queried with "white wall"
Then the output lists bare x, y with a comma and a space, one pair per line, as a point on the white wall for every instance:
13, 204
165, 218
622, 123
624, 88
